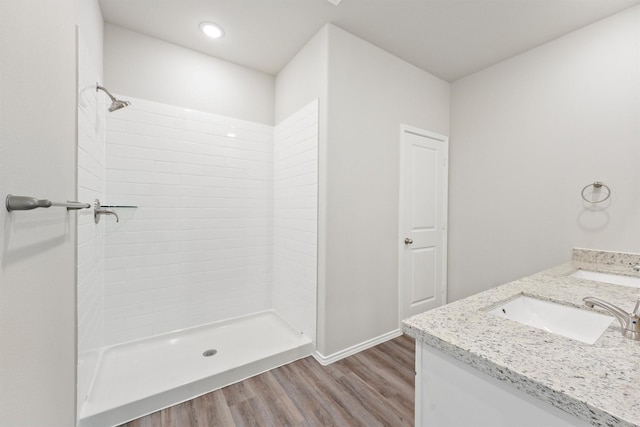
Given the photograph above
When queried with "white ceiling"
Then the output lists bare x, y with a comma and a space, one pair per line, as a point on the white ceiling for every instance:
447, 38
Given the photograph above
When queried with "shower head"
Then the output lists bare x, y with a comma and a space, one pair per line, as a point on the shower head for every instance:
116, 104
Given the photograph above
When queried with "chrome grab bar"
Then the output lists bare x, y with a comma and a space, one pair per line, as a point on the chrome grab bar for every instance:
25, 203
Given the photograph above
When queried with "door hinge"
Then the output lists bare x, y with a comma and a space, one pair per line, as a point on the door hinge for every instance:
444, 162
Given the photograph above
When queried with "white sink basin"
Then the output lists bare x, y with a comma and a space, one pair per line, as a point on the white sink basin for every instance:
614, 279
571, 322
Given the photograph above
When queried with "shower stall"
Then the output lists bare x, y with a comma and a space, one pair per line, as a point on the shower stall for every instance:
209, 276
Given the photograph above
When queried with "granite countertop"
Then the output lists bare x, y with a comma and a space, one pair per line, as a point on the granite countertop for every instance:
598, 383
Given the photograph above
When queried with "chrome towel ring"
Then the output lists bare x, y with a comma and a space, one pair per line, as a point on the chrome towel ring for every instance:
596, 186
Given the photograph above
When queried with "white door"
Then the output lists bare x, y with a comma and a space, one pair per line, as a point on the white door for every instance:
423, 215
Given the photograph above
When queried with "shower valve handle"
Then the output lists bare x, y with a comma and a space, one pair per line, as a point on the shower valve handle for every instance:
99, 210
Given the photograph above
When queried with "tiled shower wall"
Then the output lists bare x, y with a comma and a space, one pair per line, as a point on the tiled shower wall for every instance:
91, 186
199, 246
295, 188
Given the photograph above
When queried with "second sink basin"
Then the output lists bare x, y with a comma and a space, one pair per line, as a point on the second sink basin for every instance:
614, 279
571, 322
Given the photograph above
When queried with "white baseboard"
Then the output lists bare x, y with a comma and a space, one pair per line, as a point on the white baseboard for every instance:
327, 360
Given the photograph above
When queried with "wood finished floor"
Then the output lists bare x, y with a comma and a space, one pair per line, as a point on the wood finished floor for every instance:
372, 388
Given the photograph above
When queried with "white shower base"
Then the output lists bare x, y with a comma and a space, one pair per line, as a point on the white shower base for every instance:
140, 377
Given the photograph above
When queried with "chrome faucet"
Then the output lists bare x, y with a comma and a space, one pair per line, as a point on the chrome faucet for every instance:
630, 322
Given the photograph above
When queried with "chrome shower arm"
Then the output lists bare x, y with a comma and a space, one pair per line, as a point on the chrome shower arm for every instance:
102, 88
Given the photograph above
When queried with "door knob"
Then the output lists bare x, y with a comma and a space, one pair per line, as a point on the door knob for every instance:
408, 241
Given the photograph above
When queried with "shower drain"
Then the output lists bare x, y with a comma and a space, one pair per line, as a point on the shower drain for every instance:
209, 353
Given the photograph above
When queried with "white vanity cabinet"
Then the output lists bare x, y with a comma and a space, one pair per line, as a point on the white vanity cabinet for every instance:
450, 393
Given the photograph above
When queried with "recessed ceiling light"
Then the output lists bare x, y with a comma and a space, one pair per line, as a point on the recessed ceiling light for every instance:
212, 30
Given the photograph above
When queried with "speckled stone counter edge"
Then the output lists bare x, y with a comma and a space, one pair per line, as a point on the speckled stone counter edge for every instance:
558, 399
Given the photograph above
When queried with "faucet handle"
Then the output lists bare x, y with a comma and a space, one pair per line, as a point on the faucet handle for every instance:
99, 210
636, 310
105, 211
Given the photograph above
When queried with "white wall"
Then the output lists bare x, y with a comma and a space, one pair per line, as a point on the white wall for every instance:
304, 78
526, 136
37, 248
371, 93
198, 248
147, 68
364, 95
295, 219
91, 185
